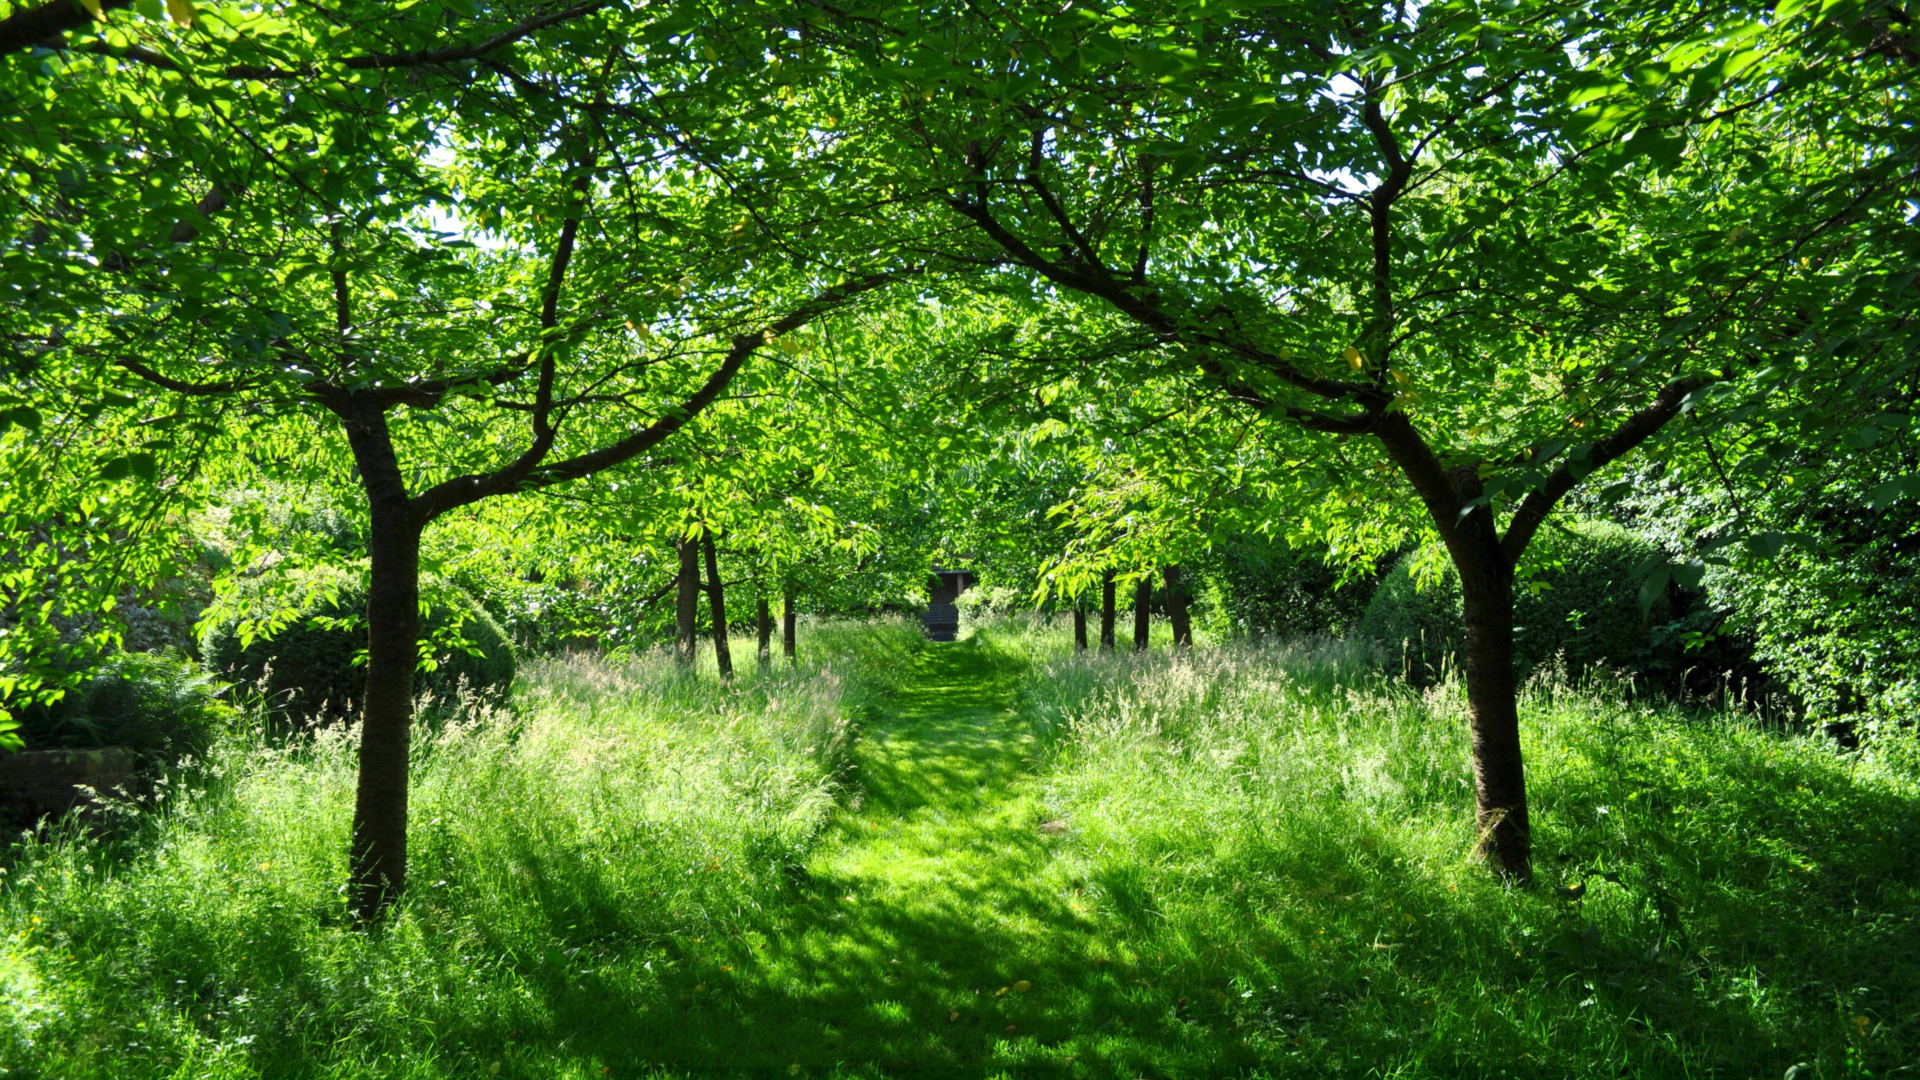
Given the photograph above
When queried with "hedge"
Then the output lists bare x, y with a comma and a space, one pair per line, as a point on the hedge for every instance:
1583, 604
308, 670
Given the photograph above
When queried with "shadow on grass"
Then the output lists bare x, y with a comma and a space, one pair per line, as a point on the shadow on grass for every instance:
939, 927
936, 927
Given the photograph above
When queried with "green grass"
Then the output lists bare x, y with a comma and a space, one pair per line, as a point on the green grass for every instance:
993, 857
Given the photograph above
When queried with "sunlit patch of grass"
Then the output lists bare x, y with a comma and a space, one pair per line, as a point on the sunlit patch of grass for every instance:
1283, 840
572, 864
993, 858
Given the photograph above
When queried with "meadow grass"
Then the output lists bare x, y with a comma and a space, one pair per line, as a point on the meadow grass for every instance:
992, 858
567, 859
1278, 840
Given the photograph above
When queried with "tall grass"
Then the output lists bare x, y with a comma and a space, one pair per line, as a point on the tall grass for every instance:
562, 854
1286, 838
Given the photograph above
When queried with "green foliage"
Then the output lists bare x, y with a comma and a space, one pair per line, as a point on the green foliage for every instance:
589, 874
163, 707
1581, 603
1276, 837
299, 638
1277, 591
1245, 860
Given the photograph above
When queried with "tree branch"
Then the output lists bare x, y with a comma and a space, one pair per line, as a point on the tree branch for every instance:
523, 475
180, 387
1637, 429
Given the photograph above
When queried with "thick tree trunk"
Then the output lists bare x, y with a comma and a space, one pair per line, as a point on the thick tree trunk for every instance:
1079, 628
686, 610
763, 624
1142, 614
1177, 610
1486, 586
377, 854
1106, 612
717, 602
786, 629
1499, 775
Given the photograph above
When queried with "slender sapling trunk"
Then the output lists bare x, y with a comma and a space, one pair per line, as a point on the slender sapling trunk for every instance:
763, 624
717, 602
786, 629
1176, 600
1142, 614
1106, 612
686, 611
1079, 627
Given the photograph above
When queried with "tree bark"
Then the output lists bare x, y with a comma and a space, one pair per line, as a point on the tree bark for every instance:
377, 852
717, 602
763, 623
786, 629
1079, 628
1486, 586
1142, 614
1499, 774
1106, 612
1177, 610
686, 611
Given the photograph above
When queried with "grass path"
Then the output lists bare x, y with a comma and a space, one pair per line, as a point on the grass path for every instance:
940, 927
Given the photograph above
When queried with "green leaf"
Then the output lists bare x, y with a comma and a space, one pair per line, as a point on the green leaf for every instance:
1888, 492
1864, 437
1653, 586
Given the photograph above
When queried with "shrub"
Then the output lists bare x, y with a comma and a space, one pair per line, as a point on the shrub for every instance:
1260, 587
163, 707
1581, 602
311, 634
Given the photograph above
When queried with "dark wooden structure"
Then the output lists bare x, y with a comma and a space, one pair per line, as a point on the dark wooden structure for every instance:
942, 621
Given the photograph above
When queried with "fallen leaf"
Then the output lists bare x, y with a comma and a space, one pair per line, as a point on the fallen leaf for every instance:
1002, 992
697, 987
1011, 1028
1022, 986
1057, 825
952, 1016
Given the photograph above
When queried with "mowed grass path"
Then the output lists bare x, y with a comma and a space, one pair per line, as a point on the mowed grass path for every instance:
940, 925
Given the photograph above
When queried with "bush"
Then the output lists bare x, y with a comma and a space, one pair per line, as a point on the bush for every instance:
164, 708
312, 666
1259, 587
1582, 602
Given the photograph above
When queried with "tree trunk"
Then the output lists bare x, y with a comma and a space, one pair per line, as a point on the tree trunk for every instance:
1079, 628
1142, 614
1106, 612
717, 602
763, 623
1177, 610
377, 853
686, 611
786, 629
1499, 775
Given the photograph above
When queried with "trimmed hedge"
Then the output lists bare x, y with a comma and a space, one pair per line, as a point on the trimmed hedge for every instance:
1584, 604
308, 670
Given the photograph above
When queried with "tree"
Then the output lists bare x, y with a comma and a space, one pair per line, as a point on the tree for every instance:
1456, 249
603, 314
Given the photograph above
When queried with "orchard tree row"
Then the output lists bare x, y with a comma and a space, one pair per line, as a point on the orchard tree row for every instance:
771, 285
